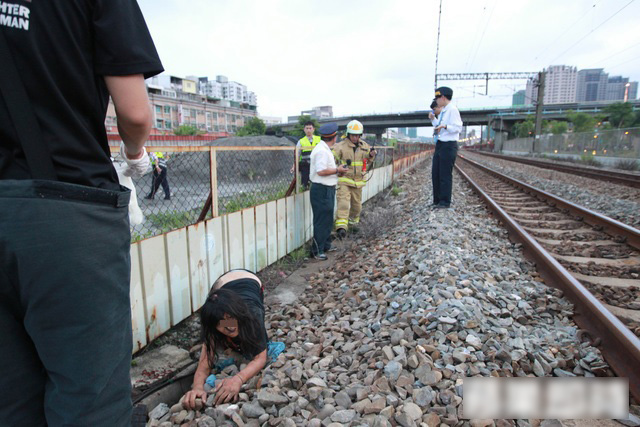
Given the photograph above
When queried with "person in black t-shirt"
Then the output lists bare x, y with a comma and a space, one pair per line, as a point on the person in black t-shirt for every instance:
232, 321
65, 313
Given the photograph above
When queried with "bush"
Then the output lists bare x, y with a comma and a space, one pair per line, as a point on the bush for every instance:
589, 160
628, 165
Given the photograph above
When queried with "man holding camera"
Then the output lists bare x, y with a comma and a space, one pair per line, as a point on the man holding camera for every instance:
353, 153
324, 177
447, 128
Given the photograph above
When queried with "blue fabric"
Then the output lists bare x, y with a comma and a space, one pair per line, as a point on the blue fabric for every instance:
211, 380
273, 351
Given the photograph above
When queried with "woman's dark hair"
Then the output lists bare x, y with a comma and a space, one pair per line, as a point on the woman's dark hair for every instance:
218, 303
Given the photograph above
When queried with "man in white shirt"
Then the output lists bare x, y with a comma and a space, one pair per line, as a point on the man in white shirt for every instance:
447, 128
324, 178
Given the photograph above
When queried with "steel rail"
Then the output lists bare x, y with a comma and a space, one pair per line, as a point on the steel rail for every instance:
620, 347
630, 180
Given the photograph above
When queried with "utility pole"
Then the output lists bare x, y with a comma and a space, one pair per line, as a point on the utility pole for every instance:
539, 105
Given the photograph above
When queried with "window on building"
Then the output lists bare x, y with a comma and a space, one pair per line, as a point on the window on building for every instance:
167, 109
159, 123
158, 109
193, 113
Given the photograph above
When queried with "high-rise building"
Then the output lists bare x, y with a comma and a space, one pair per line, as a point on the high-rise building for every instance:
592, 85
518, 98
559, 86
617, 86
413, 132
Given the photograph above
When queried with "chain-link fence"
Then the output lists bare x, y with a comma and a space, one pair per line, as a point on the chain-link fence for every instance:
180, 194
174, 196
248, 176
623, 143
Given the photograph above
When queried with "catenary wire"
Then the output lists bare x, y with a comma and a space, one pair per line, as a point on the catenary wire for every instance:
591, 32
483, 32
565, 31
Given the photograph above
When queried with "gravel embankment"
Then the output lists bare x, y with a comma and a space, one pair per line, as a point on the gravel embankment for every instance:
385, 336
613, 200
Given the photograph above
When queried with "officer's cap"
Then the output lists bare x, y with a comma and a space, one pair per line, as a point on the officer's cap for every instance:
447, 92
328, 129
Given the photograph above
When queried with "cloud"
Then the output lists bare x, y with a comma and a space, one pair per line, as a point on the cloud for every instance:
378, 55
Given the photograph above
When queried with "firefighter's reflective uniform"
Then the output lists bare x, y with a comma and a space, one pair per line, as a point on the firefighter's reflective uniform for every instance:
349, 194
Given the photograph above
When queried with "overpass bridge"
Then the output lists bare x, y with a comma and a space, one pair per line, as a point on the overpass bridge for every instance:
499, 118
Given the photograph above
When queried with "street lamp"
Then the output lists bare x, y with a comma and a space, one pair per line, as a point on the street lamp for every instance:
626, 92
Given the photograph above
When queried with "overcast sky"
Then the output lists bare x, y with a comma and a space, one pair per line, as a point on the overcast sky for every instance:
373, 56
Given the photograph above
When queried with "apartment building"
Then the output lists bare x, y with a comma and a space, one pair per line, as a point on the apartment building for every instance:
559, 87
195, 102
565, 84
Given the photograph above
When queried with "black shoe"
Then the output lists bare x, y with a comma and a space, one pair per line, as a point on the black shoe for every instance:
342, 233
148, 197
355, 229
321, 257
168, 198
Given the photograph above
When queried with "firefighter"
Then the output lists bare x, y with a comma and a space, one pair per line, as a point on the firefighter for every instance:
355, 153
306, 145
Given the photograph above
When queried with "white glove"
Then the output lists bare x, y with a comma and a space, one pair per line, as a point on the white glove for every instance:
138, 167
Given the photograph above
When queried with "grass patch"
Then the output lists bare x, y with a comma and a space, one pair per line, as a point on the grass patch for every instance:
395, 191
246, 200
628, 165
167, 221
588, 159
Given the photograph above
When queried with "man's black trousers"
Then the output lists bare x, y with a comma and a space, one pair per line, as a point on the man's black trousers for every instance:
160, 179
442, 171
323, 199
304, 168
65, 313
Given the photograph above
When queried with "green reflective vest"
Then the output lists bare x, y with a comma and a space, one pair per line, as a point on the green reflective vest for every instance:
306, 147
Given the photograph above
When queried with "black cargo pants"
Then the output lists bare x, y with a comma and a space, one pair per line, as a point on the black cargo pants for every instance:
65, 321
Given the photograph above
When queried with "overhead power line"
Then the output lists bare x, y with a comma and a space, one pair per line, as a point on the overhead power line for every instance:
591, 32
565, 31
438, 47
615, 54
482, 36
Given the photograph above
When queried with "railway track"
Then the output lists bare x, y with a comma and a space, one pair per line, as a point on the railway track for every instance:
595, 260
621, 178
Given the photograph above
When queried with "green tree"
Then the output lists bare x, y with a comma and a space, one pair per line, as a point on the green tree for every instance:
298, 130
582, 122
620, 114
253, 126
558, 127
525, 128
185, 130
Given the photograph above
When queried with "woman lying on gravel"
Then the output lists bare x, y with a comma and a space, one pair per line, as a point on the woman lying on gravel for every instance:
233, 332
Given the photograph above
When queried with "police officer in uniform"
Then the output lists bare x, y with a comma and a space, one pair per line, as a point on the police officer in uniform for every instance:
324, 175
447, 128
351, 152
